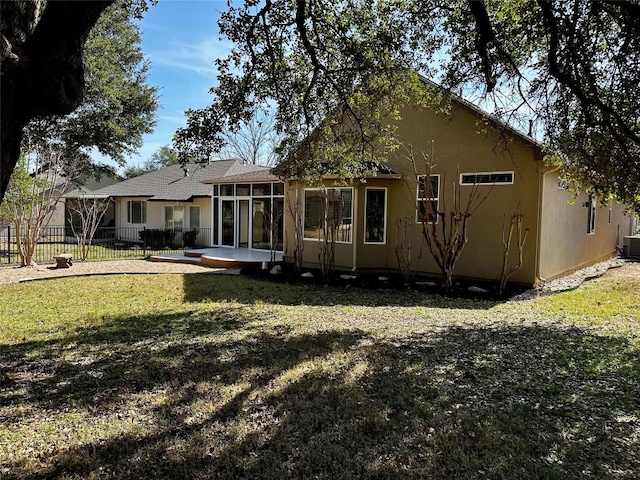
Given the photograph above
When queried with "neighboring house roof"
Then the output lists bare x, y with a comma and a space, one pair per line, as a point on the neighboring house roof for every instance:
263, 175
178, 182
90, 185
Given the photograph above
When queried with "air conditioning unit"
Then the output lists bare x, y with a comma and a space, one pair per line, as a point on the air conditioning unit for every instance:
631, 246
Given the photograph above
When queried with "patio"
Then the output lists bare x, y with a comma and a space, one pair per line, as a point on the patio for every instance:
219, 257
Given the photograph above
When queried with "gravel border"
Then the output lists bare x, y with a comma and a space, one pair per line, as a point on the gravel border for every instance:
574, 280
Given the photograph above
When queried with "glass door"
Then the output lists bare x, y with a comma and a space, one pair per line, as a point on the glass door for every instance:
243, 223
228, 223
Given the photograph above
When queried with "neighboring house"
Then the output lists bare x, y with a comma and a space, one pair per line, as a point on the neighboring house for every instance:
172, 198
86, 189
468, 148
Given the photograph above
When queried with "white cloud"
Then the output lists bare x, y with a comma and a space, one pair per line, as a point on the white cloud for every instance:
195, 57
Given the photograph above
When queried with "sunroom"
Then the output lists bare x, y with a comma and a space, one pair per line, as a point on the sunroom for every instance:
248, 211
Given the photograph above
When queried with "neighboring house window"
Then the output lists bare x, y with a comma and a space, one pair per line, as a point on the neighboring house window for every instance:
174, 217
337, 203
486, 178
426, 193
194, 217
563, 184
375, 216
591, 215
136, 211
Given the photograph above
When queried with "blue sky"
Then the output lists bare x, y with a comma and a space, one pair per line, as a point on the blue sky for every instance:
180, 38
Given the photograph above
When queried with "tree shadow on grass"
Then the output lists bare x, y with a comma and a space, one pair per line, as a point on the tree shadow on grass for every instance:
243, 289
200, 398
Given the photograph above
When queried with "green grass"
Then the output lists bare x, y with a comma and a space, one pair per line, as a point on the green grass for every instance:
204, 376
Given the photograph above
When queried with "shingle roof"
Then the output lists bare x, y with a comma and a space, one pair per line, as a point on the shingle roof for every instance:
264, 175
178, 182
90, 185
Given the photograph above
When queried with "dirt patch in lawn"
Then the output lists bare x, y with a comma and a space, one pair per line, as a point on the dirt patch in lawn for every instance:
9, 275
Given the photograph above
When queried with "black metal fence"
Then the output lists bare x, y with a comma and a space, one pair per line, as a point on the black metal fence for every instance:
107, 243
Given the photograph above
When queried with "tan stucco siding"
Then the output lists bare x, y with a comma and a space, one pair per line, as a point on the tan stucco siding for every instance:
565, 245
457, 148
461, 146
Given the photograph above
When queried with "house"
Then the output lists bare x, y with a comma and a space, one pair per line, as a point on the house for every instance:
172, 198
470, 151
70, 200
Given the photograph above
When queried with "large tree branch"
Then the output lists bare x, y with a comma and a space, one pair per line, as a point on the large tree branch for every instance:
45, 75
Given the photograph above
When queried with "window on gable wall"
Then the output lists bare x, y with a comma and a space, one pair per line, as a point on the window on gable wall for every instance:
427, 193
137, 211
486, 178
591, 215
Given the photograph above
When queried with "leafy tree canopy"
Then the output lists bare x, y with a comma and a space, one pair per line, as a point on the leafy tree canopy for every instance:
163, 157
571, 67
41, 63
119, 106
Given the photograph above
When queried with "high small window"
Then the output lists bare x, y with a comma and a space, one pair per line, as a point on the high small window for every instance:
427, 192
375, 217
486, 178
261, 189
333, 204
137, 212
226, 190
243, 190
174, 217
591, 215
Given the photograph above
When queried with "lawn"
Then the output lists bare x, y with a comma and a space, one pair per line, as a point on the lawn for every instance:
205, 376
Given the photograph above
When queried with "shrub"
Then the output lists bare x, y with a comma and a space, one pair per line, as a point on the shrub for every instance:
157, 238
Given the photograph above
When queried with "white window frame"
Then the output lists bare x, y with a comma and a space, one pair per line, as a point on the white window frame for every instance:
487, 173
304, 212
384, 235
426, 199
591, 215
166, 220
191, 227
143, 212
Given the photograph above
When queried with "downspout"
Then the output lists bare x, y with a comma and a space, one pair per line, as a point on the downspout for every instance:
353, 226
543, 173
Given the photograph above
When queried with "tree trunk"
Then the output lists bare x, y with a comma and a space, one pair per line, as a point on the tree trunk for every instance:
42, 69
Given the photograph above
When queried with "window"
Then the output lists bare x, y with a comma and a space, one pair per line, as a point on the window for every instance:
278, 188
243, 190
334, 204
226, 190
591, 215
563, 184
375, 216
174, 217
261, 189
427, 193
194, 218
137, 212
486, 178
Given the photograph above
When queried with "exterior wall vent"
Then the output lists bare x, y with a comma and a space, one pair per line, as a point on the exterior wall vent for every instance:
631, 246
